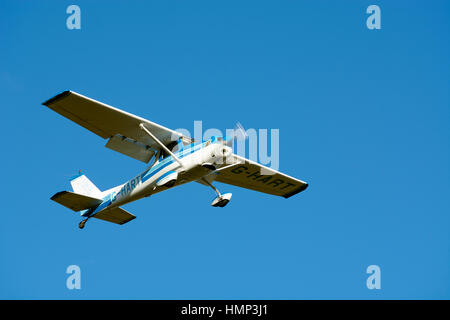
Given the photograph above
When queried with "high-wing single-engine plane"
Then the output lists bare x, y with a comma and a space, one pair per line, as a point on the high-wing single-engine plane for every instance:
173, 159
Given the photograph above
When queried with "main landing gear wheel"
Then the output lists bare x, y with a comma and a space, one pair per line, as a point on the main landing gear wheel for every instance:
82, 224
222, 199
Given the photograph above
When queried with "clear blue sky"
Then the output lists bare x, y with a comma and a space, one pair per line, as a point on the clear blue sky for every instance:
363, 117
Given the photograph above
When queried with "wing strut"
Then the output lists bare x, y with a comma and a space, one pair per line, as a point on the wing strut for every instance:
222, 199
214, 188
161, 144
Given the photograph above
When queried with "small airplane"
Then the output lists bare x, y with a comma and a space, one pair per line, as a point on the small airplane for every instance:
174, 160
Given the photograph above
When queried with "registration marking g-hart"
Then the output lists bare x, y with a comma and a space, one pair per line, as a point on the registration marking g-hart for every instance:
268, 180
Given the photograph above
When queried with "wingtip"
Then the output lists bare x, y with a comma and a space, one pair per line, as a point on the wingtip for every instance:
303, 187
57, 97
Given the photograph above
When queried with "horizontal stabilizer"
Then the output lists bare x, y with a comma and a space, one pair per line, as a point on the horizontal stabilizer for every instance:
75, 201
115, 215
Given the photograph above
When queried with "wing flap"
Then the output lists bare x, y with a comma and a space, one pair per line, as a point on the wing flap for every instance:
130, 148
75, 201
115, 215
251, 175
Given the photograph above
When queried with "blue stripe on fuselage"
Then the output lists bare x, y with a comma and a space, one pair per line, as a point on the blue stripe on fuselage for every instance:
152, 171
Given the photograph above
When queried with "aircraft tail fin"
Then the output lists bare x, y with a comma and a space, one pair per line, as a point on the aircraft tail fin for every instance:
82, 185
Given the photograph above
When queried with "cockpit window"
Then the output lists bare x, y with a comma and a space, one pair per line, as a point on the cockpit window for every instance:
215, 139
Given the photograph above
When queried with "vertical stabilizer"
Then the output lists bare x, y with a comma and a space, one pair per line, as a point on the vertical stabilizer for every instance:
82, 185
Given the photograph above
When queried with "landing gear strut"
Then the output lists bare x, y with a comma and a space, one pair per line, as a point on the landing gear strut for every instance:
82, 223
222, 199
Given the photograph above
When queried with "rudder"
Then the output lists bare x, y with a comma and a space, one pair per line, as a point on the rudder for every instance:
82, 185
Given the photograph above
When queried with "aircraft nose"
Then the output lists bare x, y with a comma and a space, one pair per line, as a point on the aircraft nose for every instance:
225, 151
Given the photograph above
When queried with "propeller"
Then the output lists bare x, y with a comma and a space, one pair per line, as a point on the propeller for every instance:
238, 134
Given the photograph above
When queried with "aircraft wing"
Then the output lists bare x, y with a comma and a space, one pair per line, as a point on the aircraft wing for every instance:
248, 174
120, 127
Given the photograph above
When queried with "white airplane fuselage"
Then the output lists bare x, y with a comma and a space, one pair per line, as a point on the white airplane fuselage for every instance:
163, 174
